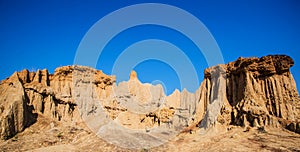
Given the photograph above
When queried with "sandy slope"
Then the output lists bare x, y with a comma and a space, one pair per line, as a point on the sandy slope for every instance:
47, 135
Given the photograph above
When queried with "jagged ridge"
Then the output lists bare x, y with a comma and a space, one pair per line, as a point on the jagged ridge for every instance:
247, 92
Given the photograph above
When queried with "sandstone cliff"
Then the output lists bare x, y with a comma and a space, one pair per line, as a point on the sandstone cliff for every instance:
248, 92
261, 92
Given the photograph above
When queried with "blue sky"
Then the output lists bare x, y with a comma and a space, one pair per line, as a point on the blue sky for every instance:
37, 35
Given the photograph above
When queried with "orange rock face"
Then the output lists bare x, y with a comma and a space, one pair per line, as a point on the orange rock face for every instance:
261, 92
249, 92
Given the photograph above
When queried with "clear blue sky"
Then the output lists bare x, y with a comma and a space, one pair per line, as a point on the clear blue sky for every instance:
45, 34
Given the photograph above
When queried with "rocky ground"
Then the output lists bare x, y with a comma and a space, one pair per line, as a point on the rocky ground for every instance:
53, 136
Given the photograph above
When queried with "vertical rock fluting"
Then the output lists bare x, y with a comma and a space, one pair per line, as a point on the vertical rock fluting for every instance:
13, 107
247, 92
261, 92
26, 94
212, 96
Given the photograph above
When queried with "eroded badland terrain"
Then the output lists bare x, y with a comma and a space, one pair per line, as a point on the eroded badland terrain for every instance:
251, 104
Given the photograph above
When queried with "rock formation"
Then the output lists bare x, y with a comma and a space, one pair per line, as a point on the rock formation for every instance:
260, 92
248, 92
14, 111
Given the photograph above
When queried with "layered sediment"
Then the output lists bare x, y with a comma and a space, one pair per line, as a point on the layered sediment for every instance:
249, 92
